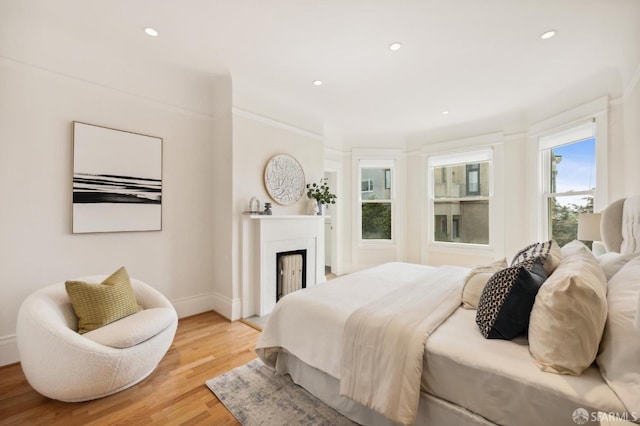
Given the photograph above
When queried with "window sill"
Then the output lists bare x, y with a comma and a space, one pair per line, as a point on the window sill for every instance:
377, 244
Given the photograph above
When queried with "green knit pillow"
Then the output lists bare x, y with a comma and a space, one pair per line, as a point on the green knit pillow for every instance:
97, 305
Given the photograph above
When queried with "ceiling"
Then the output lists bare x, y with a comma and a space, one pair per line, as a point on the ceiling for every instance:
476, 59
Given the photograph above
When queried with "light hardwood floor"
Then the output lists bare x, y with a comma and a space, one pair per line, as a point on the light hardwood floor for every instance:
205, 346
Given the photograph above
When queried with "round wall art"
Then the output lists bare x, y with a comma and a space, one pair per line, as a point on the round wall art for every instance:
284, 179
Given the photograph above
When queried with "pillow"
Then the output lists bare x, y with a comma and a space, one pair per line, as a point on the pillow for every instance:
612, 262
573, 247
96, 305
507, 299
476, 280
618, 359
569, 314
549, 250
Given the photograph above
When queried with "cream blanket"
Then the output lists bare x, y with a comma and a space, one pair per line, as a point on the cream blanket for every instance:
384, 340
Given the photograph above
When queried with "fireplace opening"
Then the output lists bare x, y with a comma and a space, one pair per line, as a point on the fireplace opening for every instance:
291, 271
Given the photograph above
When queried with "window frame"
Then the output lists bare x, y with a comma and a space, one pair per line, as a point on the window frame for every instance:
387, 166
574, 134
596, 111
383, 158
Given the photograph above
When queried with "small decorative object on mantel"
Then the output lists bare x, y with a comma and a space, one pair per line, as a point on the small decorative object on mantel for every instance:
267, 209
254, 206
321, 194
312, 208
284, 179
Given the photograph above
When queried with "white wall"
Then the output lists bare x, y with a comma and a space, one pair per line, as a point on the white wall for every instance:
255, 140
37, 107
632, 137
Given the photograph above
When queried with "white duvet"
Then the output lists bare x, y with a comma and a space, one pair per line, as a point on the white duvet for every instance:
310, 324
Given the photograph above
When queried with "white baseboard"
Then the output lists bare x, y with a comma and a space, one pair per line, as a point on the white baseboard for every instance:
187, 306
227, 307
8, 350
192, 305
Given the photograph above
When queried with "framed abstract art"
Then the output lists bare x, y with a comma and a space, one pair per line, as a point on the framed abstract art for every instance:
117, 180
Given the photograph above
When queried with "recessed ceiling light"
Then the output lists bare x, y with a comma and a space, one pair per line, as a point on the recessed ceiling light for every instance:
317, 82
445, 112
548, 34
395, 46
151, 32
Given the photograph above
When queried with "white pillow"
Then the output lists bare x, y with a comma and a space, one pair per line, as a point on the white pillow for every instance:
619, 358
611, 262
569, 314
573, 247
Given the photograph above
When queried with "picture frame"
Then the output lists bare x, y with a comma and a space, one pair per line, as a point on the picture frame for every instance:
117, 180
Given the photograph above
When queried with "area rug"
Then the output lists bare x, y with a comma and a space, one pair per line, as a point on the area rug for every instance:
255, 396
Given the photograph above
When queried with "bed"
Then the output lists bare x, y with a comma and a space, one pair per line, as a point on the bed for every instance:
394, 344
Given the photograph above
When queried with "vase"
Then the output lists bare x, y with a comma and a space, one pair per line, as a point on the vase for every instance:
320, 209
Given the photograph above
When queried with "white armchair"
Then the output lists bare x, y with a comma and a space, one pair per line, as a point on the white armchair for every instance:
64, 365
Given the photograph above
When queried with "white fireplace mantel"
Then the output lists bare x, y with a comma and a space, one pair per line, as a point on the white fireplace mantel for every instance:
265, 236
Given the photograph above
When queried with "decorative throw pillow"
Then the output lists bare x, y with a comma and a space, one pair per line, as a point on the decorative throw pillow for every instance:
96, 305
549, 250
507, 299
569, 314
618, 359
476, 280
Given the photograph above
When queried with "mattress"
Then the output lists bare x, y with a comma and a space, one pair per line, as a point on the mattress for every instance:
498, 380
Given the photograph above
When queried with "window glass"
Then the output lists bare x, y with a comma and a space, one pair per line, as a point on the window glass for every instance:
376, 203
461, 203
376, 221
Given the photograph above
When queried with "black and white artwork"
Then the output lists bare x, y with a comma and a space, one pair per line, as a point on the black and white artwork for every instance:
117, 180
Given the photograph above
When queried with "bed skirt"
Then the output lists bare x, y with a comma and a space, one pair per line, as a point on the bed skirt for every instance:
432, 411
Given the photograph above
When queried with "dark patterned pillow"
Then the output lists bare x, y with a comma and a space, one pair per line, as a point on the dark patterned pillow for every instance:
549, 250
507, 299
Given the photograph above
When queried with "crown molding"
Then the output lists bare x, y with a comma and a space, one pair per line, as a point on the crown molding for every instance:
275, 123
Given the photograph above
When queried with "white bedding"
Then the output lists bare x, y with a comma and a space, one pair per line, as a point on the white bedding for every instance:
498, 380
391, 332
495, 379
309, 324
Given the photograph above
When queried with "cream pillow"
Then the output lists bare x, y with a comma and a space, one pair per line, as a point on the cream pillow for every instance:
619, 358
475, 282
569, 314
97, 305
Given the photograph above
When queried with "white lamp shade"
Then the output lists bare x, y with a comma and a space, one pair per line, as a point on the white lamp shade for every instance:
589, 227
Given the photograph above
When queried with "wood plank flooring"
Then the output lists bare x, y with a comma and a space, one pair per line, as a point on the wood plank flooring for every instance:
205, 346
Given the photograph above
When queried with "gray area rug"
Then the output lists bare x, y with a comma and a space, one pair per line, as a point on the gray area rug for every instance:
256, 396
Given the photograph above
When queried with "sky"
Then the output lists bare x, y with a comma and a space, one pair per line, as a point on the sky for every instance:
577, 170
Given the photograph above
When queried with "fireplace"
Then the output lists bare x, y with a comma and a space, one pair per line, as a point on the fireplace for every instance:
291, 272
263, 237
